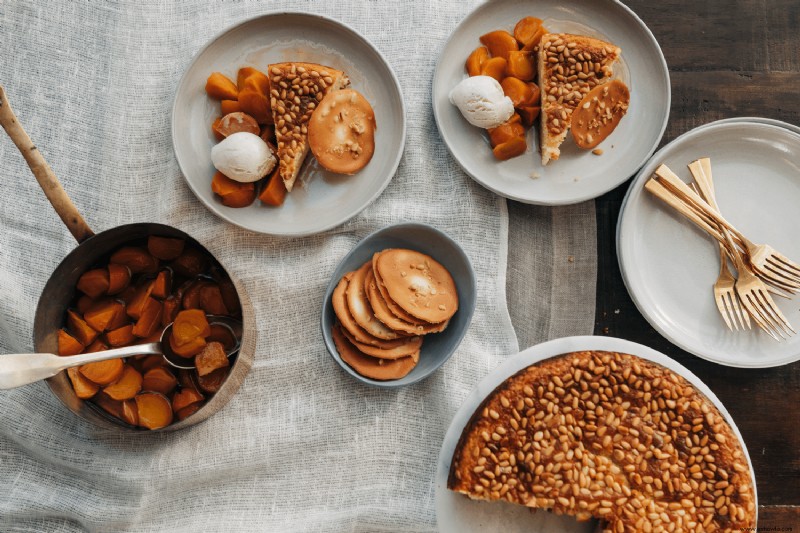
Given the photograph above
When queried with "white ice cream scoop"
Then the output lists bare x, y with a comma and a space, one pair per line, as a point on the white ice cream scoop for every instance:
243, 157
482, 102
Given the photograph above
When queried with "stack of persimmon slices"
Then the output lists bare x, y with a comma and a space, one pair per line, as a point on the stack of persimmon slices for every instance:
384, 308
129, 299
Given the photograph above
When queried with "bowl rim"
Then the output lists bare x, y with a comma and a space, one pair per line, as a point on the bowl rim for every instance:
469, 310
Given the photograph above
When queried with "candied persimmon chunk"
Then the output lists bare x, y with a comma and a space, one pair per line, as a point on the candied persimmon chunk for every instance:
274, 191
230, 296
130, 413
521, 65
93, 283
154, 410
119, 277
495, 67
192, 262
229, 106
211, 383
121, 336
211, 300
521, 93
84, 389
127, 386
529, 114
162, 286
233, 193
220, 87
237, 122
165, 248
170, 309
188, 350
511, 148
159, 379
82, 331
149, 319
190, 324
188, 411
505, 132
242, 74
526, 29
476, 59
135, 306
67, 344
136, 259
185, 398
499, 43
211, 358
103, 372
103, 313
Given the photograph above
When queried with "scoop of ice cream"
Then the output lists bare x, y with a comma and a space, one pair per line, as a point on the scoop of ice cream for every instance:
243, 157
482, 102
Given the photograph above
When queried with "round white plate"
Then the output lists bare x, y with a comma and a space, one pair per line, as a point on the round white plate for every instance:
320, 199
669, 266
455, 513
578, 175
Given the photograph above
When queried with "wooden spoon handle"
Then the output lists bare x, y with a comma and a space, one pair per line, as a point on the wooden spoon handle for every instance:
44, 174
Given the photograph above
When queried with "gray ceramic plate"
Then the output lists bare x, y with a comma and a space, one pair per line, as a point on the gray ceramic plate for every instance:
669, 266
456, 513
578, 175
323, 200
436, 348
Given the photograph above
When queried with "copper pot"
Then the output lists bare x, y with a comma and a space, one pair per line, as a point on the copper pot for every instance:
59, 291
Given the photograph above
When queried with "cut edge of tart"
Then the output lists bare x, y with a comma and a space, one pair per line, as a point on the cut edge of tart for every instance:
609, 436
296, 90
569, 67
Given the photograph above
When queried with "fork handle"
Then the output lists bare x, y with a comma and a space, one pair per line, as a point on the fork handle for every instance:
681, 189
670, 198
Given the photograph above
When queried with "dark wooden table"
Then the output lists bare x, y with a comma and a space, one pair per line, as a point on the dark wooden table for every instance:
726, 59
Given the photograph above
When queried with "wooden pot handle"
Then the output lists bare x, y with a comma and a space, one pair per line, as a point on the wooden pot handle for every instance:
44, 174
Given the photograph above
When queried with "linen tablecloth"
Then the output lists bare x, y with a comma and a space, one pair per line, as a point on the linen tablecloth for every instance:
302, 446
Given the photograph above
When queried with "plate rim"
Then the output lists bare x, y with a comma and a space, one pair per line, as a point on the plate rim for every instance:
553, 348
279, 13
635, 184
575, 199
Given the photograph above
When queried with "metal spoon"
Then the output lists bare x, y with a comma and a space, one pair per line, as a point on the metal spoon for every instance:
21, 369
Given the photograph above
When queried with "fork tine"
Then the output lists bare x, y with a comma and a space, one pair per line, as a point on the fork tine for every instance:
780, 269
774, 310
777, 279
725, 311
756, 315
791, 265
744, 318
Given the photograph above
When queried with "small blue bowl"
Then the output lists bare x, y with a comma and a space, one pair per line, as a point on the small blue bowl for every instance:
437, 347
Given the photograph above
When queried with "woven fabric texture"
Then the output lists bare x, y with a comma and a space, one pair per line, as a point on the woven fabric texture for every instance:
302, 446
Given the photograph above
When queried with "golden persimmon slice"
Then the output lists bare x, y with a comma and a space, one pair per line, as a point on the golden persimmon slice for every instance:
499, 43
220, 87
119, 277
103, 372
495, 67
127, 386
84, 389
511, 148
159, 379
154, 410
341, 132
93, 283
476, 59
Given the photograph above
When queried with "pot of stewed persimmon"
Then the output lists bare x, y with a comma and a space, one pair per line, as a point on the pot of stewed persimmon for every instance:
123, 287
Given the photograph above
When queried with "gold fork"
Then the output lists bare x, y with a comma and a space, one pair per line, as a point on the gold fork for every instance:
724, 288
752, 292
767, 262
